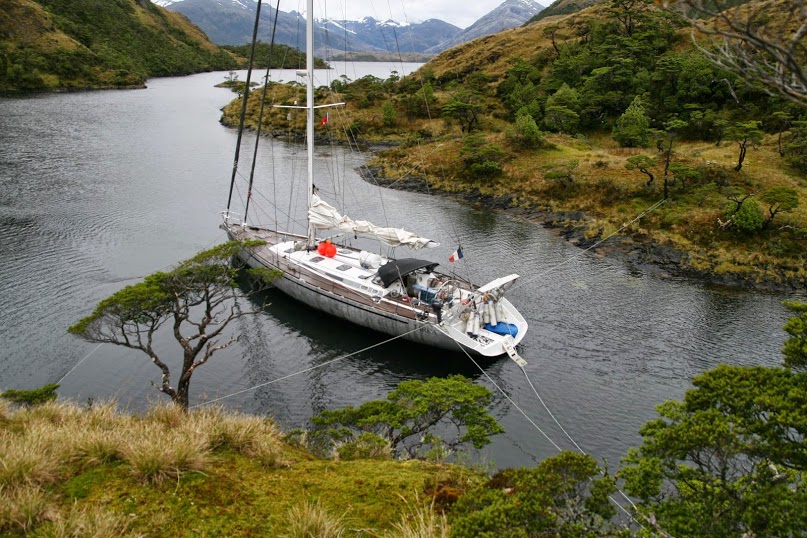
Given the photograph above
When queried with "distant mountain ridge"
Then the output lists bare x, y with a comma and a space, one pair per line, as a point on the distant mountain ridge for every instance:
230, 22
510, 14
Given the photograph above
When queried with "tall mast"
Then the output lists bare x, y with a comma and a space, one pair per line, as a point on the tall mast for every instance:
309, 128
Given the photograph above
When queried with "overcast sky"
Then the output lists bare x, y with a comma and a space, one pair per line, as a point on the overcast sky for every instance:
462, 13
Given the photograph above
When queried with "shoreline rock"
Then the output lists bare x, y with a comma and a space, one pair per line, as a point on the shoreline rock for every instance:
641, 253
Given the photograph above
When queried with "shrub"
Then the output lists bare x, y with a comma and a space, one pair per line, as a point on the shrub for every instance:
31, 397
389, 115
749, 218
367, 446
525, 132
486, 169
481, 159
796, 149
560, 497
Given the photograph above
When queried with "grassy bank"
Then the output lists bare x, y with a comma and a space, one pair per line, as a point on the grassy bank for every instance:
589, 175
94, 471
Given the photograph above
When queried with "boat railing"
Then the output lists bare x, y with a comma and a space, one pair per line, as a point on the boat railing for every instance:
228, 216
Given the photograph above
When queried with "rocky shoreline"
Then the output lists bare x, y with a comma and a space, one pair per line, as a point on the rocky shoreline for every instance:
641, 253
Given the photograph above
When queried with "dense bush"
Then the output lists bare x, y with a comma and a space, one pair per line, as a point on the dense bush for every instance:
632, 129
749, 218
563, 496
481, 159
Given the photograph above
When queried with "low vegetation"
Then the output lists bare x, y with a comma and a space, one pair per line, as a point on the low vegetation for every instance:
94, 471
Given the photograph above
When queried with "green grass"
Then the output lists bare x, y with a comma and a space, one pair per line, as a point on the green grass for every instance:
210, 473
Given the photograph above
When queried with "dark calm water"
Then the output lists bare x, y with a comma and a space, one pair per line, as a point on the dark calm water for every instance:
99, 189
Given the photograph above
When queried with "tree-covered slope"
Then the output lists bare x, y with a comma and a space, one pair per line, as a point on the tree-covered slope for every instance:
63, 44
607, 112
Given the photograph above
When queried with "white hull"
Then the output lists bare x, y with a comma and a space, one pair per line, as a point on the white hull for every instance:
366, 308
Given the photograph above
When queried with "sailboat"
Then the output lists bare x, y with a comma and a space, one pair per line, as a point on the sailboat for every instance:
404, 297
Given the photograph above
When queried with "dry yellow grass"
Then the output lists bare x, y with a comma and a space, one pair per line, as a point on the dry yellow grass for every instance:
421, 522
23, 507
310, 519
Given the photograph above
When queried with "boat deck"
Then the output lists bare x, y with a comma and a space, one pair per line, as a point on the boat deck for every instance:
348, 275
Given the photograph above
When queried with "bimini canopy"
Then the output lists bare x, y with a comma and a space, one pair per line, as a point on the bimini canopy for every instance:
324, 216
394, 270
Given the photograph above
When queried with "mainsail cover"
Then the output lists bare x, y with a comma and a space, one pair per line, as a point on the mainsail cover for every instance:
324, 216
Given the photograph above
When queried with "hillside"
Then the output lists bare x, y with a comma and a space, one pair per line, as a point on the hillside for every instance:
583, 121
562, 7
72, 44
95, 471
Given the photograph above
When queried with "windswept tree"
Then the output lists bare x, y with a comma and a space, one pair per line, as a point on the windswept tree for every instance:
745, 133
780, 199
642, 163
466, 109
668, 136
196, 301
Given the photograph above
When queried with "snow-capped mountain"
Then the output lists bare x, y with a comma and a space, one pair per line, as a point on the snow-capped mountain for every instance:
391, 36
230, 22
510, 14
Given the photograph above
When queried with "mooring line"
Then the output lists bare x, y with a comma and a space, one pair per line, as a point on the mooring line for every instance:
535, 391
610, 497
79, 362
326, 363
595, 245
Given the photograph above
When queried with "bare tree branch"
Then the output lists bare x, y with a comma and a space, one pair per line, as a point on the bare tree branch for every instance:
763, 43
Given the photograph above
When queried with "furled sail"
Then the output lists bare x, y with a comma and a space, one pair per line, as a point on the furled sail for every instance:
324, 216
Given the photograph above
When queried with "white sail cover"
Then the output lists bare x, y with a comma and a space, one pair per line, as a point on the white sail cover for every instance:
324, 216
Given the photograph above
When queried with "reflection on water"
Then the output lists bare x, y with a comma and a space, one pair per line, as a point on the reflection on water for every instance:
100, 189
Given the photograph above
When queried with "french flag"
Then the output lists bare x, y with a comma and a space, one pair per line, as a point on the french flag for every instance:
456, 255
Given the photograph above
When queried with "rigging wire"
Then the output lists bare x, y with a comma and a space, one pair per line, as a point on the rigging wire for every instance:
260, 112
244, 103
552, 415
484, 373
